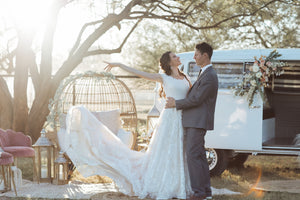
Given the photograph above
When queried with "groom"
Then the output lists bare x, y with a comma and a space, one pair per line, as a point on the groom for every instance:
198, 117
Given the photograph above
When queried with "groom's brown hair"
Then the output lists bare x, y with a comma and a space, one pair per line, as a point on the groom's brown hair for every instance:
205, 48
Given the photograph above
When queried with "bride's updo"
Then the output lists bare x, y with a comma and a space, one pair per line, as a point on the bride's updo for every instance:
165, 66
165, 63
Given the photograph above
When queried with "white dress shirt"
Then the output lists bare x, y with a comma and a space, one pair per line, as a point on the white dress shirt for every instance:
205, 67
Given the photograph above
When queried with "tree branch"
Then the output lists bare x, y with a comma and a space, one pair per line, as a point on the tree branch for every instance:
4, 59
165, 7
72, 62
33, 69
47, 45
180, 19
6, 107
113, 18
260, 37
117, 50
84, 27
291, 2
4, 90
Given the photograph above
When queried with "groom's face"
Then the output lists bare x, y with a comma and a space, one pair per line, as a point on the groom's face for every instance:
199, 57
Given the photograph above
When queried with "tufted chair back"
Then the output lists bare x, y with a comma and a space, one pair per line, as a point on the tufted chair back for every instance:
12, 138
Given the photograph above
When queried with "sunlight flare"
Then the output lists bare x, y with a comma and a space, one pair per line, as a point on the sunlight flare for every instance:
257, 193
25, 14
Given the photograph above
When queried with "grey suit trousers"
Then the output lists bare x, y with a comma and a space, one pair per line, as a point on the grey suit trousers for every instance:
197, 162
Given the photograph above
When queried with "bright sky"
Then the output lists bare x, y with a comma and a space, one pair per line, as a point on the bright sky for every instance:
72, 17
32, 14
24, 13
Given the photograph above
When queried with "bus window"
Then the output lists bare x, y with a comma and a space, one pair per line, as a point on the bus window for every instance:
229, 74
193, 71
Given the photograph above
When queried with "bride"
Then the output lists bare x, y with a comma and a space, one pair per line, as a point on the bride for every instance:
160, 172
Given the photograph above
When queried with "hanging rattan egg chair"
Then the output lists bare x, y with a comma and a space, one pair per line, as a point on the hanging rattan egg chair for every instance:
97, 92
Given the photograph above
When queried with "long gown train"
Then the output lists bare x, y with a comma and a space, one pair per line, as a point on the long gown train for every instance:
160, 172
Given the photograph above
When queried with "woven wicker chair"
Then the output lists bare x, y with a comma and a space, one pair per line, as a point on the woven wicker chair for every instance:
100, 92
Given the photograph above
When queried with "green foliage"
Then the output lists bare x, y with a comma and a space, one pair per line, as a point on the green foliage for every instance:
153, 41
274, 26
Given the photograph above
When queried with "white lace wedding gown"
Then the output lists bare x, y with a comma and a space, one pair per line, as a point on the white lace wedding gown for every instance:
160, 172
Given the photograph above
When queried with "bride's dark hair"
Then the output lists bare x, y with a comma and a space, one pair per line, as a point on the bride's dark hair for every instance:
165, 66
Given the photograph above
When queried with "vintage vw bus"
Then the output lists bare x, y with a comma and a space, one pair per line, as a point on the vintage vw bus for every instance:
241, 130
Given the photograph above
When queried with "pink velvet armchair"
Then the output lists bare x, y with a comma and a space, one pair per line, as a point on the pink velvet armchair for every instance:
16, 143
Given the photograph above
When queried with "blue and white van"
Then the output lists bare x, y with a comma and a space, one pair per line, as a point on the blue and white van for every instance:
241, 130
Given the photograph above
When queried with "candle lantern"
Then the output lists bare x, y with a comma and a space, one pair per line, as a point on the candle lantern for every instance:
44, 153
60, 170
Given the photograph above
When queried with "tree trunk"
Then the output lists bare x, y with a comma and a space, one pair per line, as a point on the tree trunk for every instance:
44, 87
23, 61
6, 106
39, 111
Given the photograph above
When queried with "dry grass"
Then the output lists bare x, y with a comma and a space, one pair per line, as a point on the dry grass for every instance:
92, 179
269, 167
236, 179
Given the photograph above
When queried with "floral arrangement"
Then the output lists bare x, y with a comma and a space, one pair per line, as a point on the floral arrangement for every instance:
259, 76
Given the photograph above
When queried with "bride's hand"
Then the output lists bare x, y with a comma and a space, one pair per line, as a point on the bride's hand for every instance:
109, 66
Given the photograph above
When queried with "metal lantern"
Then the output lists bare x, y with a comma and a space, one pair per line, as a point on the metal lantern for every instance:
60, 170
152, 119
44, 153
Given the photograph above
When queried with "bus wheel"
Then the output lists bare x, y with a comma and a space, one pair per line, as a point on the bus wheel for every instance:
217, 160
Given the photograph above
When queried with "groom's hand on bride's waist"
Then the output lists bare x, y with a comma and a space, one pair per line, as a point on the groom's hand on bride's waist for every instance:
170, 103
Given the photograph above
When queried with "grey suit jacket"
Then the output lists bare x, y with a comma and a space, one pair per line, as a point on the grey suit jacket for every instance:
199, 105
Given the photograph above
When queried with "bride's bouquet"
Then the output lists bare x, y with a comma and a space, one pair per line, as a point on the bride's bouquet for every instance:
259, 76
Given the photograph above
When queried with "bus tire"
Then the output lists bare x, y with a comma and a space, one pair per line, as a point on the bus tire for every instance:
217, 161
238, 160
